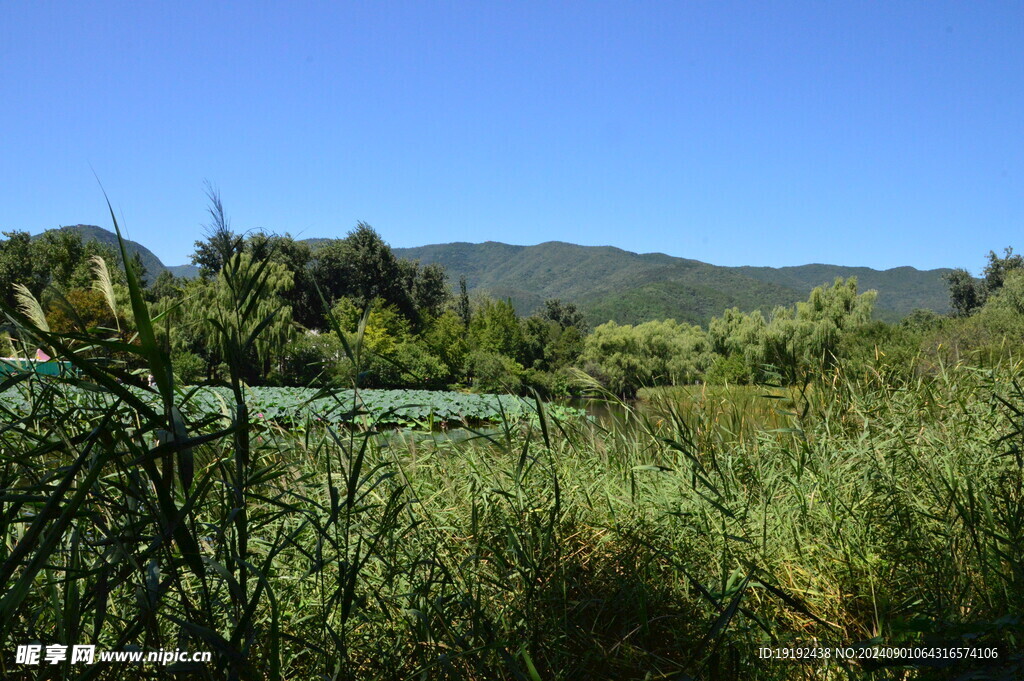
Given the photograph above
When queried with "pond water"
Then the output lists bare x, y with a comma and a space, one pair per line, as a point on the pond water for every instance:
733, 409
604, 412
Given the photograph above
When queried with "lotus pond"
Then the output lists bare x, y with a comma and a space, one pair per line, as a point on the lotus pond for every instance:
417, 409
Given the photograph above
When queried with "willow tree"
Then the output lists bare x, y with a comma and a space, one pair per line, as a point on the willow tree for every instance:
805, 340
829, 311
626, 357
738, 338
241, 316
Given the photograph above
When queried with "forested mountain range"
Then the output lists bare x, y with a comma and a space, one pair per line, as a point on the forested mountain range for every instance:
610, 283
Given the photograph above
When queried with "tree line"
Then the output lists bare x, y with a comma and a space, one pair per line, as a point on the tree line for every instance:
413, 328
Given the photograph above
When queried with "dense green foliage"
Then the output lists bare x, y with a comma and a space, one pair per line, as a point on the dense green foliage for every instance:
57, 260
967, 294
625, 358
792, 344
151, 264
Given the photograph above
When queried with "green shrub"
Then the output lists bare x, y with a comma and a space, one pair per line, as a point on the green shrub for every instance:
491, 372
189, 368
315, 359
731, 370
413, 365
892, 349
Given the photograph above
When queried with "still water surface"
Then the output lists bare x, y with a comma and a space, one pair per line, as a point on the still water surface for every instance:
604, 413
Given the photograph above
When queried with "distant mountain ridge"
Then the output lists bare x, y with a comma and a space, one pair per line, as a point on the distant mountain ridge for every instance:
151, 262
93, 233
611, 283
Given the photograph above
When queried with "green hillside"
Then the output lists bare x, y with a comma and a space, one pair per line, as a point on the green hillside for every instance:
904, 288
611, 283
154, 266
677, 300
93, 233
185, 271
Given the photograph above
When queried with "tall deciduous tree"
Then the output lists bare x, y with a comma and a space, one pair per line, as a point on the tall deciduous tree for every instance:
495, 328
17, 266
429, 287
363, 267
463, 307
965, 294
297, 258
997, 269
564, 314
56, 258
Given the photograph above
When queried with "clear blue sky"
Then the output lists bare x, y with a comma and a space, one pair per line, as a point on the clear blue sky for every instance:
854, 133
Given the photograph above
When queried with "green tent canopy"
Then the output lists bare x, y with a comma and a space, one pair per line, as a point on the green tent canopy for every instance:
17, 365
